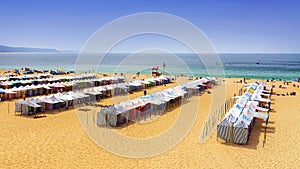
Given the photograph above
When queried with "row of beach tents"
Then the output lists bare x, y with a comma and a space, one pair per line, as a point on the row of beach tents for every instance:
78, 79
56, 101
25, 77
44, 76
55, 87
237, 124
150, 105
71, 98
126, 87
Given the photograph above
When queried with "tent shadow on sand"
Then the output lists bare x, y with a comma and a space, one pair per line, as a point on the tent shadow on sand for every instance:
257, 130
33, 116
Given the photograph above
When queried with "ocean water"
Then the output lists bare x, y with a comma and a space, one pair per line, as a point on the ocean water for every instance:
260, 66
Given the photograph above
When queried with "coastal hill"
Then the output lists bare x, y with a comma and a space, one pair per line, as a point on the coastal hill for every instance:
25, 49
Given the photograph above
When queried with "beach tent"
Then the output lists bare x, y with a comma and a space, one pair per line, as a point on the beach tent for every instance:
120, 89
57, 86
18, 105
16, 83
69, 99
39, 90
225, 126
3, 79
9, 94
101, 117
241, 120
28, 90
25, 107
35, 89
26, 82
165, 79
149, 81
106, 90
32, 107
68, 86
38, 101
242, 127
147, 84
135, 86
79, 97
262, 100
93, 93
111, 116
157, 106
223, 130
6, 85
136, 109
50, 102
19, 90
240, 133
46, 87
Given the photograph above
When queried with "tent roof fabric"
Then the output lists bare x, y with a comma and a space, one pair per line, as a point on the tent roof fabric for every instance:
248, 105
30, 103
10, 92
36, 78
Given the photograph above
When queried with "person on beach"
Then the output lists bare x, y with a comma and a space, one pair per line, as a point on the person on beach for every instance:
145, 92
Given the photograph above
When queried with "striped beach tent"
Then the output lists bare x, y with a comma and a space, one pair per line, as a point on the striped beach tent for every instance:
223, 130
241, 133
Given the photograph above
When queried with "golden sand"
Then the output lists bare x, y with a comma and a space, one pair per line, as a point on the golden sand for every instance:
58, 140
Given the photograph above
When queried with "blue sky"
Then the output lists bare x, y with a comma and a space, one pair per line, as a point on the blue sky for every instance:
231, 26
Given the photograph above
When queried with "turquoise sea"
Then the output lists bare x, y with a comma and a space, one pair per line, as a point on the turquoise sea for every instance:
262, 66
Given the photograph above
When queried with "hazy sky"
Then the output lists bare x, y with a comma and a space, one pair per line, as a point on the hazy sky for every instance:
231, 26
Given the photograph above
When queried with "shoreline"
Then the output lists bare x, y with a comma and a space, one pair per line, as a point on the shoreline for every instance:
99, 72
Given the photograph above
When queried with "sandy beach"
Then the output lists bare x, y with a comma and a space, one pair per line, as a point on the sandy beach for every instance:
59, 141
133, 84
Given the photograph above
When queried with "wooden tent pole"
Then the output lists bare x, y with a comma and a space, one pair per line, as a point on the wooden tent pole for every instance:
87, 117
265, 135
127, 118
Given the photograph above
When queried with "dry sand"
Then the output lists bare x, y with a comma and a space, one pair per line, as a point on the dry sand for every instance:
58, 140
